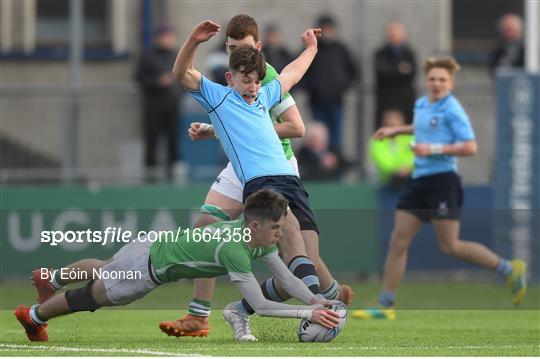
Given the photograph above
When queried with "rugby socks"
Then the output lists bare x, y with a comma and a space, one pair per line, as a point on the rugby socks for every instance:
243, 307
332, 292
302, 267
268, 288
34, 315
199, 308
386, 298
504, 268
56, 281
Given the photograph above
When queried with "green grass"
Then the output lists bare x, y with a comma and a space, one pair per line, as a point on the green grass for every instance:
447, 319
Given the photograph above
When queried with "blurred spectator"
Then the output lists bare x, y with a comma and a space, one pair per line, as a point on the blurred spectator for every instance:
161, 96
393, 157
217, 63
275, 53
327, 79
317, 162
510, 52
395, 69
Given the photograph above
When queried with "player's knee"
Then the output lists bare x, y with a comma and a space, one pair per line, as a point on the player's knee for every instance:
291, 224
449, 248
399, 243
81, 299
290, 233
289, 250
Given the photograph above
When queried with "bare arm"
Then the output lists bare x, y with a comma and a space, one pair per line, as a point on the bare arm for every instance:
384, 132
184, 67
293, 72
462, 149
201, 131
264, 307
292, 125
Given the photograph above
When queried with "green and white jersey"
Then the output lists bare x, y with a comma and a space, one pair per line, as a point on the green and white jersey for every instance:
286, 102
206, 252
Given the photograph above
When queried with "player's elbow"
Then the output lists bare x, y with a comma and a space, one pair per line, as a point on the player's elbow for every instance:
181, 75
177, 75
260, 310
261, 307
298, 130
471, 148
262, 313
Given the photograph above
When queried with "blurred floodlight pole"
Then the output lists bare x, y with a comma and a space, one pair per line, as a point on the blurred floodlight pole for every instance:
532, 36
75, 75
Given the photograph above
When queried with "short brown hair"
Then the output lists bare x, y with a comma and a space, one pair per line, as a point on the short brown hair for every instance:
246, 59
242, 26
447, 63
265, 204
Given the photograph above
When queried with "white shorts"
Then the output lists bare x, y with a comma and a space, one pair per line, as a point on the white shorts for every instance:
133, 258
229, 185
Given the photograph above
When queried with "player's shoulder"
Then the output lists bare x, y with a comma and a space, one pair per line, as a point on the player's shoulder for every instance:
269, 88
453, 106
271, 74
451, 101
270, 70
421, 102
209, 84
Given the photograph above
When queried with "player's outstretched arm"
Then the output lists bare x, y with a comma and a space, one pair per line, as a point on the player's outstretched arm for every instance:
384, 132
317, 313
184, 67
293, 72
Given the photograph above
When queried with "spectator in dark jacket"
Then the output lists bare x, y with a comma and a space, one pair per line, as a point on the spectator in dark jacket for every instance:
395, 69
161, 96
328, 78
273, 49
510, 52
316, 160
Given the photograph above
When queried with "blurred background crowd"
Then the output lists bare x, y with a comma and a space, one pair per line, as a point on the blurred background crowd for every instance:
92, 120
114, 114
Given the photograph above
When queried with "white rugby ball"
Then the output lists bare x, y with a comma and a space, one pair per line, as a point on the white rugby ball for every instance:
312, 332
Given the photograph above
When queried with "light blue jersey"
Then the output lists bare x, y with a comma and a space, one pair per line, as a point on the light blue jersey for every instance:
246, 131
444, 122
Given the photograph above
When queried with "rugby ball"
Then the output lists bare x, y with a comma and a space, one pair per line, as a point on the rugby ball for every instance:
312, 332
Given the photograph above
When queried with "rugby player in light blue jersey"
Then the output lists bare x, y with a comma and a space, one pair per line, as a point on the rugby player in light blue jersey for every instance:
239, 115
224, 199
443, 132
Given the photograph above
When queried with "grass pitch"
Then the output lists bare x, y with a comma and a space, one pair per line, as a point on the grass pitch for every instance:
433, 319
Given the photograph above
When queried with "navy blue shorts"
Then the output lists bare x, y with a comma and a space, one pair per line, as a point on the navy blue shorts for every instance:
292, 189
439, 196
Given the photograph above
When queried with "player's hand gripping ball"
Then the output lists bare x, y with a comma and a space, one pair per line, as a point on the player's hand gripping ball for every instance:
312, 332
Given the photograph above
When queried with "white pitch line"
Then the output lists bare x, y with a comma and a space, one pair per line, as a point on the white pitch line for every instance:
257, 348
22, 347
